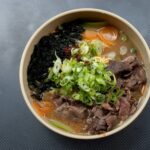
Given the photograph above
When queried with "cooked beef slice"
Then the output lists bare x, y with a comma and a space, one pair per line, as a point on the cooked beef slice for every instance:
99, 121
96, 125
124, 108
132, 61
99, 124
129, 72
58, 101
107, 106
73, 112
137, 79
96, 111
111, 121
134, 81
117, 105
125, 66
133, 107
117, 67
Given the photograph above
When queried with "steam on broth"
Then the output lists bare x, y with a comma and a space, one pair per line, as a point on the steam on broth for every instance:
86, 77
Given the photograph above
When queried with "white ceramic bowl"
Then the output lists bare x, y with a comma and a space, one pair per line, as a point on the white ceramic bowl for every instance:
93, 14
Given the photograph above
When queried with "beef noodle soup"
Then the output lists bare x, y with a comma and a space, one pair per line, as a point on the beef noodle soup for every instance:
86, 77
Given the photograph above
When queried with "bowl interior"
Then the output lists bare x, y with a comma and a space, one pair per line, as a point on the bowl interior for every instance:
89, 14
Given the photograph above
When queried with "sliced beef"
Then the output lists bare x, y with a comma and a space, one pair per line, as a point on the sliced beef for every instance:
132, 61
95, 122
57, 100
137, 79
125, 98
99, 121
107, 106
96, 111
96, 125
73, 112
129, 72
127, 94
63, 109
117, 67
124, 108
123, 67
133, 108
99, 124
120, 82
117, 105
133, 102
111, 121
134, 81
77, 111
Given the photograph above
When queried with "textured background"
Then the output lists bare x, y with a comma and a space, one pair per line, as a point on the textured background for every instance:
19, 130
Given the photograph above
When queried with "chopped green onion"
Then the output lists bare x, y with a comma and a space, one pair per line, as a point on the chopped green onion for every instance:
74, 51
100, 81
60, 125
57, 65
133, 50
100, 98
86, 80
96, 47
95, 24
124, 37
84, 48
66, 67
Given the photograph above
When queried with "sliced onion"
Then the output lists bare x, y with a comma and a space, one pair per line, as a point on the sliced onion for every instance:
57, 65
123, 50
111, 55
108, 35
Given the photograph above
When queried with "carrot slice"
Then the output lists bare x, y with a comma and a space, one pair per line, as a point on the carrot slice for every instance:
45, 110
90, 35
37, 107
45, 107
108, 35
42, 108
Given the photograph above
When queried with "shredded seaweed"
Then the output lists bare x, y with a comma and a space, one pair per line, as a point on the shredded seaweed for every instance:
61, 41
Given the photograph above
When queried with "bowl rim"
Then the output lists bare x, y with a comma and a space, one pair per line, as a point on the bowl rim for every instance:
56, 130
